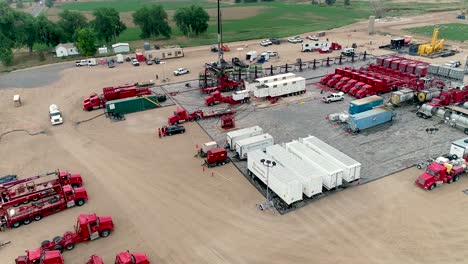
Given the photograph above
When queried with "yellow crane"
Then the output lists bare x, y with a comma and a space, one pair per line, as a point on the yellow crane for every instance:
434, 46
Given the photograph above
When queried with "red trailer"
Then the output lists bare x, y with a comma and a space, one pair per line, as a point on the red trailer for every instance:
33, 188
88, 227
40, 256
216, 157
95, 101
139, 57
181, 115
69, 197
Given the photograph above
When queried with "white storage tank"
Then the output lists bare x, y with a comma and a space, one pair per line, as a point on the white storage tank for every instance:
334, 176
308, 175
280, 180
233, 136
260, 142
351, 168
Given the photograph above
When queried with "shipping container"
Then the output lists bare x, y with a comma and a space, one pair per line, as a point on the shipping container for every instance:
308, 175
433, 69
134, 104
351, 168
364, 104
334, 174
444, 71
399, 97
457, 74
236, 135
368, 119
246, 145
280, 179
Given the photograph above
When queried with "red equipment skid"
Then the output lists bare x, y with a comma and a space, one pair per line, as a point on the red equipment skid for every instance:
216, 157
33, 188
452, 96
40, 256
89, 227
238, 97
95, 101
68, 197
181, 115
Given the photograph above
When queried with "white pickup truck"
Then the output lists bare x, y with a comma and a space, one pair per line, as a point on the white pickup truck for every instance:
87, 62
55, 115
333, 97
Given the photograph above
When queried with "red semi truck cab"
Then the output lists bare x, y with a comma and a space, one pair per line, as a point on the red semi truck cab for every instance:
336, 78
94, 101
131, 258
437, 174
366, 90
350, 84
181, 115
39, 256
356, 88
341, 83
326, 78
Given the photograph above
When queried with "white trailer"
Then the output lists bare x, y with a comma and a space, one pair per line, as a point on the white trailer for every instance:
260, 142
120, 58
308, 175
334, 176
312, 46
280, 180
280, 88
233, 136
351, 168
92, 62
268, 79
460, 148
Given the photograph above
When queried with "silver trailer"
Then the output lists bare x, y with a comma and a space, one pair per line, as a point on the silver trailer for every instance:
252, 143
233, 136
334, 176
351, 168
279, 179
308, 175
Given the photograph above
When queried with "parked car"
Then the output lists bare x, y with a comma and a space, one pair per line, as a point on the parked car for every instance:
237, 62
266, 42
453, 64
181, 71
295, 39
157, 60
333, 97
272, 53
149, 62
313, 37
128, 59
348, 52
275, 41
135, 62
214, 48
172, 130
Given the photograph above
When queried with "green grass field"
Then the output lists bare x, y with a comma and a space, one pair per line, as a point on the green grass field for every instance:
453, 31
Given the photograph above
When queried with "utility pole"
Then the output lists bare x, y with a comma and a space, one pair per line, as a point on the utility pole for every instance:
267, 204
219, 35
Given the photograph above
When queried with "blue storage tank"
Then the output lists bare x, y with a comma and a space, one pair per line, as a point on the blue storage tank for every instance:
364, 104
369, 119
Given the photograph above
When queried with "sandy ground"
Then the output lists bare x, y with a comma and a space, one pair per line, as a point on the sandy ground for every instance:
164, 204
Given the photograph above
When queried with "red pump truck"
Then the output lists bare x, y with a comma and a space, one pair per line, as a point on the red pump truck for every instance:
181, 115
95, 101
40, 256
441, 171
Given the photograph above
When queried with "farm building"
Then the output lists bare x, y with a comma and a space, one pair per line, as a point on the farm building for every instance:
121, 47
67, 49
164, 53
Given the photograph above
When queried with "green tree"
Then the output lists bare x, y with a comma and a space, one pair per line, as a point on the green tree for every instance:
49, 3
19, 4
153, 21
6, 54
347, 2
86, 41
193, 19
330, 2
30, 30
48, 32
107, 24
71, 22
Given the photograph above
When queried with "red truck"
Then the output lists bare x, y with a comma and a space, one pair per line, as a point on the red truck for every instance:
95, 101
237, 97
452, 96
216, 157
181, 115
40, 256
66, 198
342, 83
335, 79
358, 86
441, 171
350, 84
327, 77
122, 258
88, 227
33, 188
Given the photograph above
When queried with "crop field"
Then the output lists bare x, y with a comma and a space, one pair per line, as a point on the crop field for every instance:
453, 31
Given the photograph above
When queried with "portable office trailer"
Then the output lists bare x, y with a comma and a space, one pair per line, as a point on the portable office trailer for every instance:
280, 180
308, 175
164, 53
351, 168
280, 88
252, 143
233, 136
369, 119
364, 104
269, 79
334, 174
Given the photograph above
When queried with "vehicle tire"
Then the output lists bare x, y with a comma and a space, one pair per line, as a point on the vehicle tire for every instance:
75, 185
465, 131
249, 173
222, 163
432, 187
105, 233
26, 221
26, 202
455, 178
57, 239
45, 243
169, 134
89, 109
59, 248
16, 224
197, 118
450, 181
419, 166
183, 131
70, 246
37, 217
80, 202
454, 156
36, 199
419, 114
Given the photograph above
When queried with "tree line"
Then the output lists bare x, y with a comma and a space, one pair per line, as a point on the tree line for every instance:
18, 29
